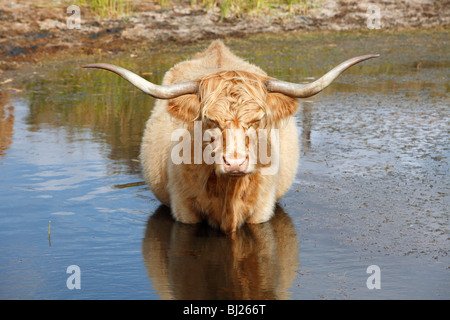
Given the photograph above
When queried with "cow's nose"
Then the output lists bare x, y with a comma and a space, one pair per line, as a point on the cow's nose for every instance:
235, 165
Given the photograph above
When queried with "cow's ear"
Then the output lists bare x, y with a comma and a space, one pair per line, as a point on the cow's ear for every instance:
281, 106
185, 107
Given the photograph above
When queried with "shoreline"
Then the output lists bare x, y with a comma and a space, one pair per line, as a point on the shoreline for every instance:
32, 32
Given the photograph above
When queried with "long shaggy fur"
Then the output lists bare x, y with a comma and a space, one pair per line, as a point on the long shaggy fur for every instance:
232, 94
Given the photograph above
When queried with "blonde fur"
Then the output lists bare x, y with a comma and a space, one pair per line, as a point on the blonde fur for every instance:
232, 94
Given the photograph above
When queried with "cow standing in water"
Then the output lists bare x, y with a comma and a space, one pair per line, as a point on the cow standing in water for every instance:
221, 144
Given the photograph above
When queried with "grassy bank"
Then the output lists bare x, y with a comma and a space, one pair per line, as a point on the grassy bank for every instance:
228, 8
108, 8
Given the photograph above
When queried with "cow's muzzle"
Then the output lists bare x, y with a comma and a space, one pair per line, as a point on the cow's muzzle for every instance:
236, 165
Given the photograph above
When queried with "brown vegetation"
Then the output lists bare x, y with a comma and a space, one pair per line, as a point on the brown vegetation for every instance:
32, 30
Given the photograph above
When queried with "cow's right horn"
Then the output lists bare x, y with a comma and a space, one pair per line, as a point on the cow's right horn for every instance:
157, 91
297, 90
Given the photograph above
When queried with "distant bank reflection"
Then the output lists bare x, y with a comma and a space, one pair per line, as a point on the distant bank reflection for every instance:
6, 122
198, 262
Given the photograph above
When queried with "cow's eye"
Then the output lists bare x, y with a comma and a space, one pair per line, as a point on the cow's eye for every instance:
255, 124
212, 123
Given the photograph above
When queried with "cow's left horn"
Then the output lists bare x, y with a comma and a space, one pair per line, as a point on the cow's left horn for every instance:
296, 90
157, 91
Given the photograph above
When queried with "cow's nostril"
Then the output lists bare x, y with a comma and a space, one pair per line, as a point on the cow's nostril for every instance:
245, 161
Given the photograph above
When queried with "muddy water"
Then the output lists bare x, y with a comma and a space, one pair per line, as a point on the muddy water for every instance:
371, 188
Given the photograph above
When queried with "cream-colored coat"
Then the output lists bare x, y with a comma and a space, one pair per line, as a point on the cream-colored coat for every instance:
193, 191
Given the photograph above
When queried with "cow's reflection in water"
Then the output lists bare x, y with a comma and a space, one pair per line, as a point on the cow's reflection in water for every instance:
184, 261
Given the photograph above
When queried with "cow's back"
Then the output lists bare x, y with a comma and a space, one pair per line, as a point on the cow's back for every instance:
217, 57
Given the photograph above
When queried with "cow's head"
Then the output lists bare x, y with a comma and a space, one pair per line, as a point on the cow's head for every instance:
239, 115
239, 107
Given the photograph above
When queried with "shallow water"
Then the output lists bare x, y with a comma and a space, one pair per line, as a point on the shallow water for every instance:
371, 188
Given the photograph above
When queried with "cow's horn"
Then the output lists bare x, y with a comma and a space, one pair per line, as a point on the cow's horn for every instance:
156, 91
296, 90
